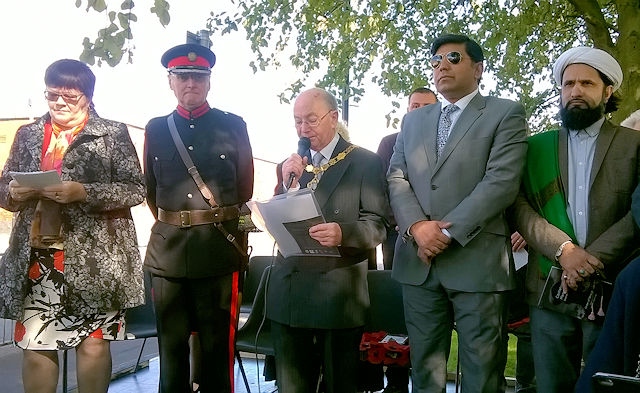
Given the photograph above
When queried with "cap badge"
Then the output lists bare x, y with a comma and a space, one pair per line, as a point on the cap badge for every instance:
192, 56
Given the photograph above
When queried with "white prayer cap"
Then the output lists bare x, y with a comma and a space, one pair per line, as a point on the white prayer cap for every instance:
596, 58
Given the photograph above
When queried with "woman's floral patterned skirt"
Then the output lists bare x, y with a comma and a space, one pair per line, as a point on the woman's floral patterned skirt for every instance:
45, 325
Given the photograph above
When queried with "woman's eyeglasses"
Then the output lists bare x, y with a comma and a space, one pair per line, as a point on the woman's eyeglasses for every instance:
69, 99
452, 57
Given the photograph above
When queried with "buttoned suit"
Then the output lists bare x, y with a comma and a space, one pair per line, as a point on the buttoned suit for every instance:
195, 268
327, 295
612, 237
470, 185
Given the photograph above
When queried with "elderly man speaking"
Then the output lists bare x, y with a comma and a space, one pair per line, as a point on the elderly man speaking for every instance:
574, 212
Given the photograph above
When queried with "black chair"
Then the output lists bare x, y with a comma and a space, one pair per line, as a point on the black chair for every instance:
387, 311
252, 277
255, 335
141, 321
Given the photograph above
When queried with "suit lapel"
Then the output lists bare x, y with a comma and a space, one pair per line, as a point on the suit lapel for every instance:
468, 116
330, 179
305, 178
430, 134
605, 137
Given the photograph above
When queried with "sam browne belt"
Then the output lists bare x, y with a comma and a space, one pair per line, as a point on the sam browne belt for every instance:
218, 212
188, 218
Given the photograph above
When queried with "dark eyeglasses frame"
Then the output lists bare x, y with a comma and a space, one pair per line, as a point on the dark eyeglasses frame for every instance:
53, 97
452, 57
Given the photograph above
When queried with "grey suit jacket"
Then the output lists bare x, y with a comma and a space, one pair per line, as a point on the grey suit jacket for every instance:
476, 178
326, 292
612, 235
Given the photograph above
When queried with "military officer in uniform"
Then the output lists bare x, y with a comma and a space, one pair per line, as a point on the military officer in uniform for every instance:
192, 255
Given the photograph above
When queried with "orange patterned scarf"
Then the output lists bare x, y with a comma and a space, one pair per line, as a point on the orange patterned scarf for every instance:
47, 224
59, 140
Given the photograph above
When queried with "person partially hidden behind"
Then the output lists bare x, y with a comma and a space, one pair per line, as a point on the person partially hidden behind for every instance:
456, 167
418, 98
316, 304
617, 350
398, 377
574, 211
73, 264
632, 121
192, 255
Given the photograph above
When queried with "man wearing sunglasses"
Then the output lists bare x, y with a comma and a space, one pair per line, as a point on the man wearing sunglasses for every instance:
453, 173
192, 258
575, 212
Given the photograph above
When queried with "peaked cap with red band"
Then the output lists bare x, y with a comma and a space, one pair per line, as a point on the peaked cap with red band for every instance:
189, 58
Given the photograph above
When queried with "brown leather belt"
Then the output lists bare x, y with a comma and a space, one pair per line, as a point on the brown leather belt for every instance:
188, 218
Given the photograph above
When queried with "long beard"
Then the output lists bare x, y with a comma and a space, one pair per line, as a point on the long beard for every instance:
576, 118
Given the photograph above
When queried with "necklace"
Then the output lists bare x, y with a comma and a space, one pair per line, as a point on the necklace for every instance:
317, 170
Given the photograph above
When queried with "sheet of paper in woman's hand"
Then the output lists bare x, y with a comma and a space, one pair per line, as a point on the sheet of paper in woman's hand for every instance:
36, 180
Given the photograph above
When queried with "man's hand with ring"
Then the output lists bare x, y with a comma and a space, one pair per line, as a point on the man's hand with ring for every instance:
578, 264
567, 283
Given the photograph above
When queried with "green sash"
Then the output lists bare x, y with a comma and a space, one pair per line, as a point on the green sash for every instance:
543, 187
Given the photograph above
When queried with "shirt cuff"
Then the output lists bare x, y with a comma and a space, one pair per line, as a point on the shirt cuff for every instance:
294, 188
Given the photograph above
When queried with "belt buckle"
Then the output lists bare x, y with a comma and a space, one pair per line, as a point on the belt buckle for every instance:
185, 218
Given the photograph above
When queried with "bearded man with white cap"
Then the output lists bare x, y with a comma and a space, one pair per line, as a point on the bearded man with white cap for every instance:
574, 212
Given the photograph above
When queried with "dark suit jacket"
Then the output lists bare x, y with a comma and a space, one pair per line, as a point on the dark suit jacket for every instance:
219, 147
472, 183
385, 149
327, 292
612, 235
617, 350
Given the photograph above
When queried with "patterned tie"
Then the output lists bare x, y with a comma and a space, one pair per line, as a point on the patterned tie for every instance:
317, 161
444, 126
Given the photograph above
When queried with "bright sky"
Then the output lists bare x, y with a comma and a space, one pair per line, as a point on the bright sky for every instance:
36, 33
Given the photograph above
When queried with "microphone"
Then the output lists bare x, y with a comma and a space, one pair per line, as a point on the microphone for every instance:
303, 146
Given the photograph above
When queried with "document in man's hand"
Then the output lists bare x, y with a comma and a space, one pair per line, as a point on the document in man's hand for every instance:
37, 180
287, 218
